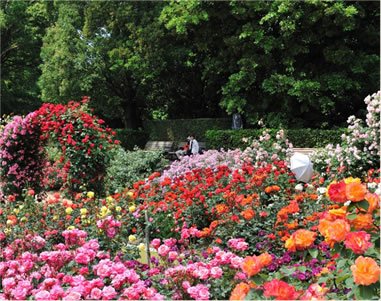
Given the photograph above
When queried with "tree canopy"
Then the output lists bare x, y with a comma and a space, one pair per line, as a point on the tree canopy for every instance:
295, 63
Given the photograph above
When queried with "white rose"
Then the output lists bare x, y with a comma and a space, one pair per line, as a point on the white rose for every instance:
299, 187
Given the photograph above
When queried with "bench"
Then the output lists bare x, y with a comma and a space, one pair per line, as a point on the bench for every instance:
168, 147
305, 151
165, 146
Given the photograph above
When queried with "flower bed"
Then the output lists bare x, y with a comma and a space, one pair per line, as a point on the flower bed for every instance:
229, 225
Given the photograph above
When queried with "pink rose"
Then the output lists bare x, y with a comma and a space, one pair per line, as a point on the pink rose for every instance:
82, 258
72, 296
156, 243
109, 293
172, 255
42, 295
163, 250
216, 272
96, 294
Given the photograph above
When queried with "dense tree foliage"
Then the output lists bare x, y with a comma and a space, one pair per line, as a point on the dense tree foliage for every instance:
295, 63
22, 26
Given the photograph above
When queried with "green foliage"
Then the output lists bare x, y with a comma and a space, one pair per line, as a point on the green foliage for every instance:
127, 167
179, 129
308, 63
22, 25
129, 138
314, 138
63, 56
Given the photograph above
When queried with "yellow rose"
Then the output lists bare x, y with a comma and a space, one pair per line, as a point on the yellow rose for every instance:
55, 217
83, 211
16, 211
132, 208
69, 210
7, 230
141, 247
90, 194
71, 228
352, 180
9, 222
131, 238
109, 199
130, 194
118, 208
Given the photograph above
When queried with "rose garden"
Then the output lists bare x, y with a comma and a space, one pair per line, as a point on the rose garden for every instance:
190, 150
221, 225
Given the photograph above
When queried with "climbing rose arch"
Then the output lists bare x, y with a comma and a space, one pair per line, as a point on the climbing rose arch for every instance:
83, 139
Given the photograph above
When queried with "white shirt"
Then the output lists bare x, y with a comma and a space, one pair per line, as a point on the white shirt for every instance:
194, 147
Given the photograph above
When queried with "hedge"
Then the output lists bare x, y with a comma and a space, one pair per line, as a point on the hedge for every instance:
130, 138
314, 138
178, 129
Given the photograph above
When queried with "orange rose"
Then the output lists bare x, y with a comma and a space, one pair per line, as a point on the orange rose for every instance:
251, 265
363, 221
248, 214
338, 213
358, 242
355, 191
336, 192
373, 200
240, 291
268, 189
365, 271
300, 240
334, 231
265, 259
222, 208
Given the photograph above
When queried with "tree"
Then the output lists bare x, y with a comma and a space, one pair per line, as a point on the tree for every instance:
308, 63
22, 25
63, 55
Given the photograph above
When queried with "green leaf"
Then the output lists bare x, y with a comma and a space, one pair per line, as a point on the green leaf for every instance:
258, 279
366, 292
363, 204
351, 216
313, 252
349, 282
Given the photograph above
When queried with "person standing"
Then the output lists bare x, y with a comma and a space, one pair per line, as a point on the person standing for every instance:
193, 145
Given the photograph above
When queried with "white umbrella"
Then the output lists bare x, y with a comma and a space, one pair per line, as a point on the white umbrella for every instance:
302, 167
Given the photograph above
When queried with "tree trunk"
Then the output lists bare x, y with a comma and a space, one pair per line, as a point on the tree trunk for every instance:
131, 119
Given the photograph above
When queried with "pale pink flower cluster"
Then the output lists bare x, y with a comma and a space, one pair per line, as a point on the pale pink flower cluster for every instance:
109, 225
198, 272
266, 150
49, 275
238, 244
211, 159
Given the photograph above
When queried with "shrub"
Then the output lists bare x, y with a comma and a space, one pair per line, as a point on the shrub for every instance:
127, 167
359, 149
230, 139
314, 137
130, 138
179, 129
